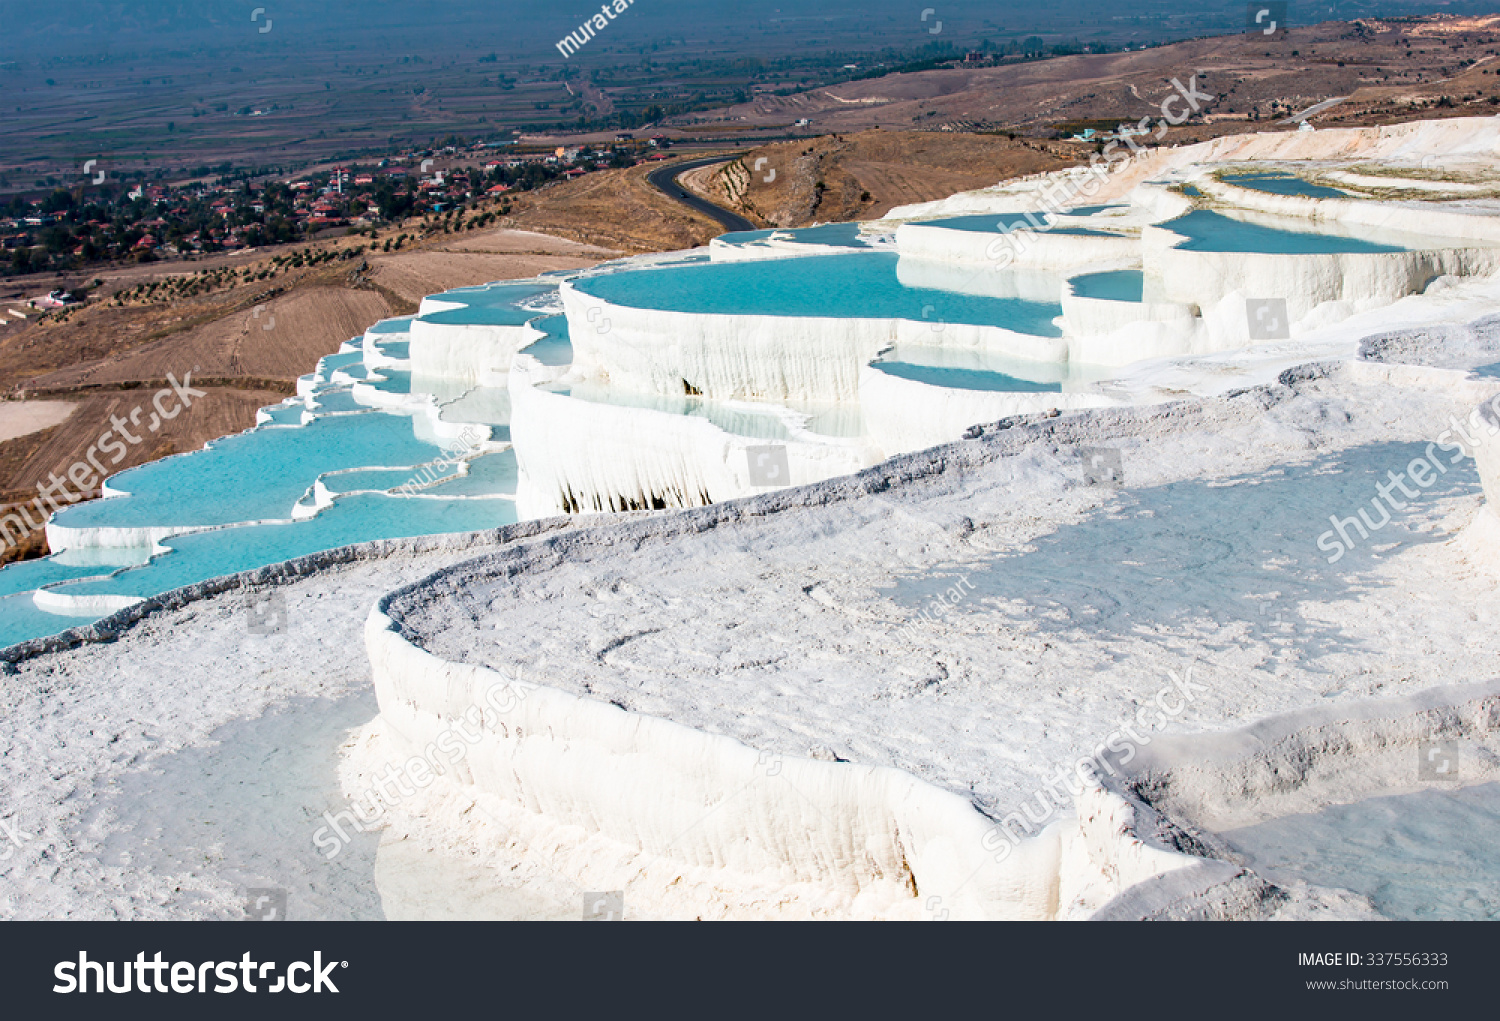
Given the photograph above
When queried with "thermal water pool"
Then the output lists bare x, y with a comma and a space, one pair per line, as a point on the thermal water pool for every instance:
554, 348
961, 369
21, 620
840, 235
992, 223
1426, 855
362, 517
845, 286
502, 304
1281, 183
1114, 285
1208, 231
254, 476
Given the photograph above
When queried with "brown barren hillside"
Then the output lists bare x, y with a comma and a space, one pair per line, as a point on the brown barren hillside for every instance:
478, 259
863, 176
616, 209
1391, 69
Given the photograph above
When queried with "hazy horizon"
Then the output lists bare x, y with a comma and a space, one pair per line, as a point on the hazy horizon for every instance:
93, 28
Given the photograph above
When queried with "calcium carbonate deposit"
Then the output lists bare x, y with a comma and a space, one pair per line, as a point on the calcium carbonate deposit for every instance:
1108, 544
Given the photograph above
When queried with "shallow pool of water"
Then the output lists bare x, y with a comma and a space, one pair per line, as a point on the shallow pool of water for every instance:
507, 304
1208, 231
343, 360
842, 235
394, 348
392, 381
555, 349
1117, 285
990, 223
1278, 183
961, 369
490, 475
262, 474
400, 324
20, 620
335, 400
382, 480
254, 476
825, 286
1094, 210
1430, 855
285, 414
360, 518
25, 575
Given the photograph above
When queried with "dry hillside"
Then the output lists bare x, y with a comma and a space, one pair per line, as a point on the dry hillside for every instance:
615, 208
863, 176
1391, 69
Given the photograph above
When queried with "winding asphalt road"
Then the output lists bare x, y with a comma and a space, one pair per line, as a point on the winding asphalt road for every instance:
665, 181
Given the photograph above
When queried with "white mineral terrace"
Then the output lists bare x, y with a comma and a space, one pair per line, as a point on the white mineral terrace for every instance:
938, 569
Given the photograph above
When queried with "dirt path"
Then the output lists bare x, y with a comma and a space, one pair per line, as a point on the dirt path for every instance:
22, 418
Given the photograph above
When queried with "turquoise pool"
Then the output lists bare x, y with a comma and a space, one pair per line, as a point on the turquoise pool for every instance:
843, 235
342, 361
383, 480
555, 349
488, 476
1208, 231
361, 518
855, 285
392, 381
1004, 223
26, 575
260, 475
20, 620
336, 400
254, 476
400, 324
1277, 183
394, 348
966, 379
285, 414
971, 370
1117, 285
491, 305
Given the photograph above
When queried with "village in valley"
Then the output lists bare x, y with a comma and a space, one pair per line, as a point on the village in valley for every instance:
227, 210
